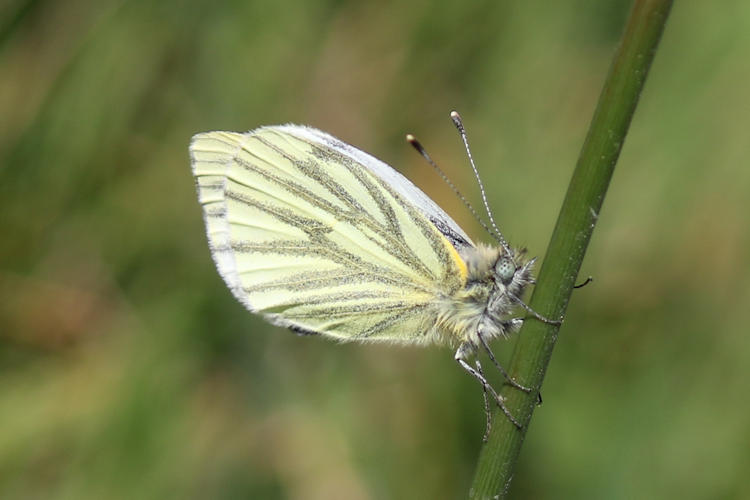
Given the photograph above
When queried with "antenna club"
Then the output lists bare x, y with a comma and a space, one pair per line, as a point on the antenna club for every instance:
456, 118
416, 145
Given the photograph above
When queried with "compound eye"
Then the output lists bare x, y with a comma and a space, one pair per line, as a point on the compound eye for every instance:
505, 269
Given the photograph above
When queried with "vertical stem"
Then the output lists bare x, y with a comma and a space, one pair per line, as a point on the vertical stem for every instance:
570, 238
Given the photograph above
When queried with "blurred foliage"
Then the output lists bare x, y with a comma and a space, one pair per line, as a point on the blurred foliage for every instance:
128, 370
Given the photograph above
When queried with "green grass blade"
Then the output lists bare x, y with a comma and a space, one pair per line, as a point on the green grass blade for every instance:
570, 238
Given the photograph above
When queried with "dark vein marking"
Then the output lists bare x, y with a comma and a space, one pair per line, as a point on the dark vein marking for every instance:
394, 243
390, 321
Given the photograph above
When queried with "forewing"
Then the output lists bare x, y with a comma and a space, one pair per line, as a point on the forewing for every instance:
316, 241
441, 220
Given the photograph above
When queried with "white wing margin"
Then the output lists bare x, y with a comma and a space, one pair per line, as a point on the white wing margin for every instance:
305, 233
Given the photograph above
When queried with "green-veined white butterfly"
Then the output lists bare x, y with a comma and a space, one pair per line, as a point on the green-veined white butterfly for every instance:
320, 237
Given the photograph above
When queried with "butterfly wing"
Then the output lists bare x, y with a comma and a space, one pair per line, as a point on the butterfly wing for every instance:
441, 220
306, 232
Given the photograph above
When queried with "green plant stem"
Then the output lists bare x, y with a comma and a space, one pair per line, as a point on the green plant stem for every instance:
575, 224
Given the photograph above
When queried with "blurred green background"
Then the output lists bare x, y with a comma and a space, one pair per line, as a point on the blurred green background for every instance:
127, 370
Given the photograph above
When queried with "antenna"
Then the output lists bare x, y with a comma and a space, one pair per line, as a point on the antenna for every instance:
418, 146
461, 130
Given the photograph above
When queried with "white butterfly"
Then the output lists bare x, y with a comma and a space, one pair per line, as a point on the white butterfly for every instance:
324, 239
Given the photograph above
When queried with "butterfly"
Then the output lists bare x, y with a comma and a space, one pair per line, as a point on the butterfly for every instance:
324, 239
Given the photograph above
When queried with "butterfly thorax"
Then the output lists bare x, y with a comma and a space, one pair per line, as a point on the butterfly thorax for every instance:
493, 280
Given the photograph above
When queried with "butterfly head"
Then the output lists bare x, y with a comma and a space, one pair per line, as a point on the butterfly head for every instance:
507, 272
505, 269
512, 272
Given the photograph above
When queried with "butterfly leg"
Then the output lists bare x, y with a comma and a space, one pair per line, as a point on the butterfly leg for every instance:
460, 354
534, 313
511, 325
487, 414
499, 367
